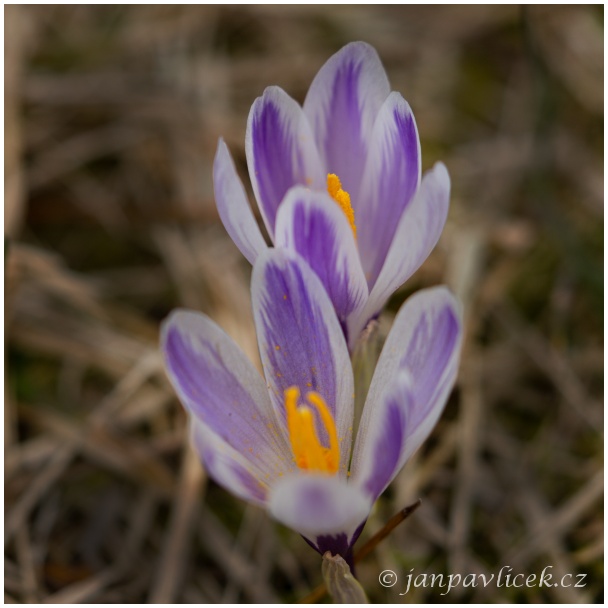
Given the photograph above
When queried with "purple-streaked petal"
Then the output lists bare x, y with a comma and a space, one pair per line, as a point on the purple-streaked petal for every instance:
386, 438
342, 104
319, 506
226, 466
313, 225
233, 206
417, 234
300, 339
218, 385
422, 351
390, 180
281, 152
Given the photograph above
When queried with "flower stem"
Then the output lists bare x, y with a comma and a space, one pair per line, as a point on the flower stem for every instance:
319, 592
388, 527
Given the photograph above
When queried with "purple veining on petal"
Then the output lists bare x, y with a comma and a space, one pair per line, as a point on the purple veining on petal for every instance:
209, 386
229, 473
392, 176
341, 105
386, 434
417, 234
316, 241
250, 482
429, 352
299, 350
272, 145
281, 152
301, 342
344, 145
388, 448
312, 225
201, 369
411, 384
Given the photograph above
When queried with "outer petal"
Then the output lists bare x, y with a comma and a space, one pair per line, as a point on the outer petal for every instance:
411, 384
223, 391
311, 224
226, 466
417, 234
342, 104
301, 342
387, 436
319, 507
233, 206
281, 152
392, 176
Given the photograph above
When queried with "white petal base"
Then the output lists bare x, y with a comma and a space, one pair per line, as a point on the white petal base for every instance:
317, 505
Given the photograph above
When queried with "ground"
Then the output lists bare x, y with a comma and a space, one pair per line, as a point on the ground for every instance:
112, 116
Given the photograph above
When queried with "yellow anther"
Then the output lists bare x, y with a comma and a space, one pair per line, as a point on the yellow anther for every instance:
333, 454
334, 187
292, 395
309, 454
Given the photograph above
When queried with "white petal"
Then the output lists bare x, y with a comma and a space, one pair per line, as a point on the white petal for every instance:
313, 225
281, 152
226, 466
218, 386
417, 234
389, 183
301, 342
316, 505
414, 375
233, 206
341, 105
386, 437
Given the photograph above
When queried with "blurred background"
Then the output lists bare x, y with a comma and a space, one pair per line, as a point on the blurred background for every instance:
112, 116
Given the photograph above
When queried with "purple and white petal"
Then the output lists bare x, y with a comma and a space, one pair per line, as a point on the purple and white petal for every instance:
386, 438
218, 386
390, 180
313, 225
233, 206
301, 341
423, 348
281, 152
319, 506
342, 104
417, 234
226, 466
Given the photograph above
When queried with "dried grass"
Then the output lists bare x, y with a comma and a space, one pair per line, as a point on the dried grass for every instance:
112, 115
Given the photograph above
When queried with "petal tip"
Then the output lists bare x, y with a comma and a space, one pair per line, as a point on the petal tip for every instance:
222, 154
180, 320
361, 48
441, 174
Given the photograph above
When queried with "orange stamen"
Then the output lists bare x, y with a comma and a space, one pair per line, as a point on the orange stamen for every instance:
308, 452
334, 187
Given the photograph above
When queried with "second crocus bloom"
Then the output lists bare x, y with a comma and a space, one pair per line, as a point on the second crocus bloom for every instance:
285, 441
338, 181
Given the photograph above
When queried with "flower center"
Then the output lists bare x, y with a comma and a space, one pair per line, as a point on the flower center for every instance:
308, 451
334, 187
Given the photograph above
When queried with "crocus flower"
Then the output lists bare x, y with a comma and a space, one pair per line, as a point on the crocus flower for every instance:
284, 442
338, 181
